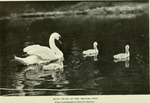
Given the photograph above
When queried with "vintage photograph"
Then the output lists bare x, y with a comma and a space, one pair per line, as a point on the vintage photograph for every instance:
60, 48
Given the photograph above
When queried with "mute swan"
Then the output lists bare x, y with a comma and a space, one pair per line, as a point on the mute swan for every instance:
123, 55
41, 54
91, 52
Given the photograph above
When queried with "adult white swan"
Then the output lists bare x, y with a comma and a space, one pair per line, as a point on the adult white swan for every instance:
41, 54
123, 55
91, 52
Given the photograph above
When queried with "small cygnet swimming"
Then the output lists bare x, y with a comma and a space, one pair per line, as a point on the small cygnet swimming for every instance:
91, 52
123, 55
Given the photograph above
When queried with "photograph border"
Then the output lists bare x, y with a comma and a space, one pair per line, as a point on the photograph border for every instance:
60, 99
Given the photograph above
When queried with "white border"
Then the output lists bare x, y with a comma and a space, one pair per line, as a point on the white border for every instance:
100, 98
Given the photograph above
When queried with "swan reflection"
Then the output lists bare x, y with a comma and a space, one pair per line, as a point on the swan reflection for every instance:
19, 87
126, 60
40, 71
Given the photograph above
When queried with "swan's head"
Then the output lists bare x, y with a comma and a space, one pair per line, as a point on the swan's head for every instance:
56, 35
95, 44
127, 47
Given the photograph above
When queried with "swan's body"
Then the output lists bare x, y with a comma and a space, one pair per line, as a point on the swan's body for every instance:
91, 52
126, 60
39, 54
123, 55
41, 51
122, 60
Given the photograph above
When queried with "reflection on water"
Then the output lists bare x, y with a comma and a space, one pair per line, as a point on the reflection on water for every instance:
78, 75
34, 78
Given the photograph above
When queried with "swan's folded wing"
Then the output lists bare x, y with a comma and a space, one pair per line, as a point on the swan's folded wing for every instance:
42, 51
28, 48
120, 56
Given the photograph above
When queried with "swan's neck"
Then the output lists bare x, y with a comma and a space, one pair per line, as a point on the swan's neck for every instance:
61, 63
54, 47
95, 47
127, 51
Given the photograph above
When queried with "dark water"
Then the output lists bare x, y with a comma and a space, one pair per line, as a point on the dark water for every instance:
81, 76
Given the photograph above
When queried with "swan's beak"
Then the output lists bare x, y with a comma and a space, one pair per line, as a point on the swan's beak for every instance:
60, 42
59, 39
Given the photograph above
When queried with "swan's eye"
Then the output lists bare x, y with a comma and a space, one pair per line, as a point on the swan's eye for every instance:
127, 47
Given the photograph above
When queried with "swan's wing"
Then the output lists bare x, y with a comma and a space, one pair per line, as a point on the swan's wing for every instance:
28, 48
42, 51
120, 56
87, 51
90, 52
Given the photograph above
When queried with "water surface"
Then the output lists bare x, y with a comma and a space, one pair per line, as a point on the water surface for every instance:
81, 76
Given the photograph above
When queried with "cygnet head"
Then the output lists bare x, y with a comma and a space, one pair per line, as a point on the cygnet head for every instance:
127, 47
95, 43
56, 35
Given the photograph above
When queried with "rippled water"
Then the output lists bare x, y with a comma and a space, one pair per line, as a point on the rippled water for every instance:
80, 75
